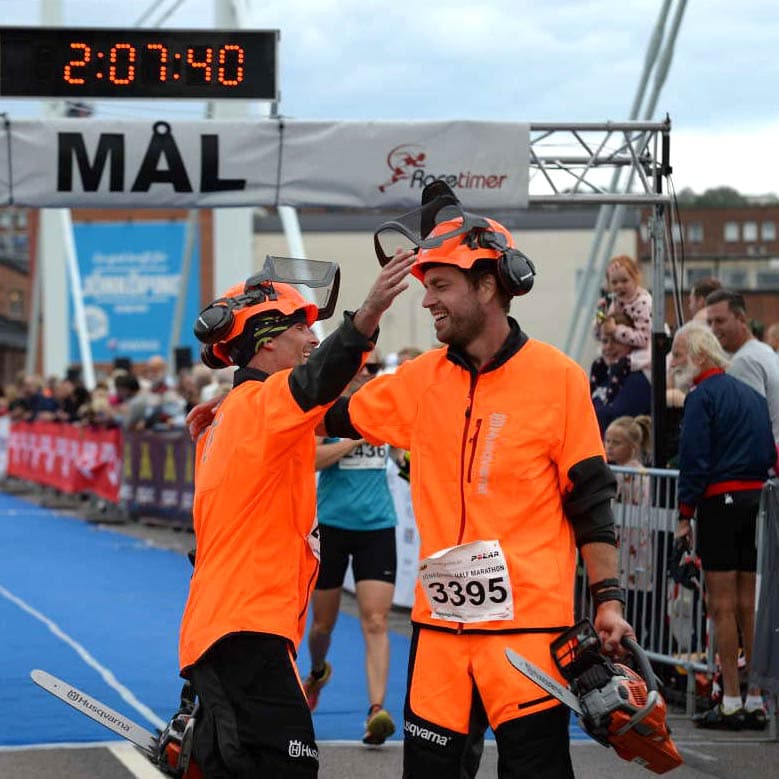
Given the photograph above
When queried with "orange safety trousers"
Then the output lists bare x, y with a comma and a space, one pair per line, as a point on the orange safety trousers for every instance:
445, 668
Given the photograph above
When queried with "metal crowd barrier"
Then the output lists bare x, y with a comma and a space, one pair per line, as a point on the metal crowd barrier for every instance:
668, 616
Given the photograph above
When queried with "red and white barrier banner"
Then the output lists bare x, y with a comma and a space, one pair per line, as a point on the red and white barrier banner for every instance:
67, 457
70, 163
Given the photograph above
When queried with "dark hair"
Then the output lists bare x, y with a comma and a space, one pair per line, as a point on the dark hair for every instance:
126, 381
735, 300
702, 288
482, 268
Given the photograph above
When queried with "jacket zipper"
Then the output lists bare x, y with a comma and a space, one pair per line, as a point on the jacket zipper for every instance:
473, 442
463, 451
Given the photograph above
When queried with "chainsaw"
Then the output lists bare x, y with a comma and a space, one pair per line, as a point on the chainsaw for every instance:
617, 706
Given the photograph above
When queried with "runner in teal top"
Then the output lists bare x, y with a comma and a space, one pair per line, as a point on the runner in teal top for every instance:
356, 522
353, 492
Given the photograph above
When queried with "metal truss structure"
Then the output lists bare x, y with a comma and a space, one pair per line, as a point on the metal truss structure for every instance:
599, 163
613, 165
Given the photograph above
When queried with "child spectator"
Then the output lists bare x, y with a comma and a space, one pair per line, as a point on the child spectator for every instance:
627, 443
627, 296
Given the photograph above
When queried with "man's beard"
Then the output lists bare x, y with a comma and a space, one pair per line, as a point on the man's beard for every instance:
683, 377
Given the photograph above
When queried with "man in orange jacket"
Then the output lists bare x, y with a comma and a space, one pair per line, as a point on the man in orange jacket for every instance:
255, 518
508, 478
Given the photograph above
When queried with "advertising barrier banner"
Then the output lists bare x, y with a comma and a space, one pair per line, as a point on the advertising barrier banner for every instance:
67, 457
159, 475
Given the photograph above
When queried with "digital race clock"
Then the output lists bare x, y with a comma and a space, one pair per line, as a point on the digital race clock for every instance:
98, 62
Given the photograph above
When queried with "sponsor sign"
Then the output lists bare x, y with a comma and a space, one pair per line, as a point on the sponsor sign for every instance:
130, 276
267, 162
68, 457
159, 475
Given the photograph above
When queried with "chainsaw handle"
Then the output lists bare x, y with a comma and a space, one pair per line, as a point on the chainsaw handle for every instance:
642, 661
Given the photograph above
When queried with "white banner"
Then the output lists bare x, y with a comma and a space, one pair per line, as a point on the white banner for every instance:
208, 164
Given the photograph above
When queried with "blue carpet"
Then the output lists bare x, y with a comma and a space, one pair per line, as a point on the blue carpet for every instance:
121, 601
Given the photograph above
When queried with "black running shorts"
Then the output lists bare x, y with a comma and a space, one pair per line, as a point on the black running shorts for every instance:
373, 554
726, 527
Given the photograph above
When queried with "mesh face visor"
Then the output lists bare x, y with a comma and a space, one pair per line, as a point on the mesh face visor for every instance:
317, 281
412, 229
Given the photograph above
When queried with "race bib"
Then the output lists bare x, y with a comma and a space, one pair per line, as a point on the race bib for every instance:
363, 457
468, 583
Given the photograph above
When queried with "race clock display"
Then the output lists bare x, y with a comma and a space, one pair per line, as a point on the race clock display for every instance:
105, 63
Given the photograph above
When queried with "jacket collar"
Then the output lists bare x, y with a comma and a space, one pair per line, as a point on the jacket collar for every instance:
515, 340
706, 374
248, 374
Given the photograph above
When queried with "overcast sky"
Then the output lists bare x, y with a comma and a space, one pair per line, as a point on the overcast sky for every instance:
516, 60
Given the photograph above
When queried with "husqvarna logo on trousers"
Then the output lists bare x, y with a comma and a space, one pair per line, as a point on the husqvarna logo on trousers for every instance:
298, 749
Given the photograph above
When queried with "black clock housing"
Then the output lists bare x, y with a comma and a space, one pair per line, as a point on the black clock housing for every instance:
61, 62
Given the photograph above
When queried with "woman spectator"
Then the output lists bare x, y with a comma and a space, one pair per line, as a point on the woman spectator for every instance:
616, 388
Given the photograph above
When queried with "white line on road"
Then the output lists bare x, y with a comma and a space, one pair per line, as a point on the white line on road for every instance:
107, 676
138, 765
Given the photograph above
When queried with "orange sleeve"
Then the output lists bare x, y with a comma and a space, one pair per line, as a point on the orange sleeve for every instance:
384, 409
580, 437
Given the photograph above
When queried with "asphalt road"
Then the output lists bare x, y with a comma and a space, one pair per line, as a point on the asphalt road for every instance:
707, 754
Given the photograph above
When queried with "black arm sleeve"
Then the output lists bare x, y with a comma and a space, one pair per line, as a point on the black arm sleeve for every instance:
588, 504
331, 366
337, 421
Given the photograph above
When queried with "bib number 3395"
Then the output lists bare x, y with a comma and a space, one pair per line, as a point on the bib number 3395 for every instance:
468, 583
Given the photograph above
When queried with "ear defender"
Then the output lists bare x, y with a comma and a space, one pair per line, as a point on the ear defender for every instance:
214, 322
209, 359
516, 271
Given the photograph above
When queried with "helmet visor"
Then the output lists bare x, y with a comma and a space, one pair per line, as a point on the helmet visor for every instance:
318, 281
413, 229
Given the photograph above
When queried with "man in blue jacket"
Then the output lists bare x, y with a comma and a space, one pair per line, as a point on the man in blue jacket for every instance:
726, 449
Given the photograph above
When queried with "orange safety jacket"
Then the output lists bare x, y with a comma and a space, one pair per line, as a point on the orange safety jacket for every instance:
491, 455
255, 500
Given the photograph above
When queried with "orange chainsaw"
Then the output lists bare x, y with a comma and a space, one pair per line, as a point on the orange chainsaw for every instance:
617, 706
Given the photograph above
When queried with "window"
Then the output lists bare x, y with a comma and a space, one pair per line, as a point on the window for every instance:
16, 304
750, 231
732, 233
768, 231
676, 233
695, 232
645, 234
693, 274
734, 279
767, 279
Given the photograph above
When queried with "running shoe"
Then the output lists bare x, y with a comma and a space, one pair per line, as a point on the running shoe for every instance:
378, 727
755, 719
313, 684
716, 719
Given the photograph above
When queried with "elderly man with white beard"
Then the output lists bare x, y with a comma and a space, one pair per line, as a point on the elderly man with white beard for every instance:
726, 449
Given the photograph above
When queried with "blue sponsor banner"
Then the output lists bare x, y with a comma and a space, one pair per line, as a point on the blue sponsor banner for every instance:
130, 275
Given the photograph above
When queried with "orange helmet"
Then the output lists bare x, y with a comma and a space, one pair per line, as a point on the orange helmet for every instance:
226, 318
462, 249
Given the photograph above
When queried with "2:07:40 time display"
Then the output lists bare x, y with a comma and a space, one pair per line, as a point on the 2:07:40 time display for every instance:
155, 63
